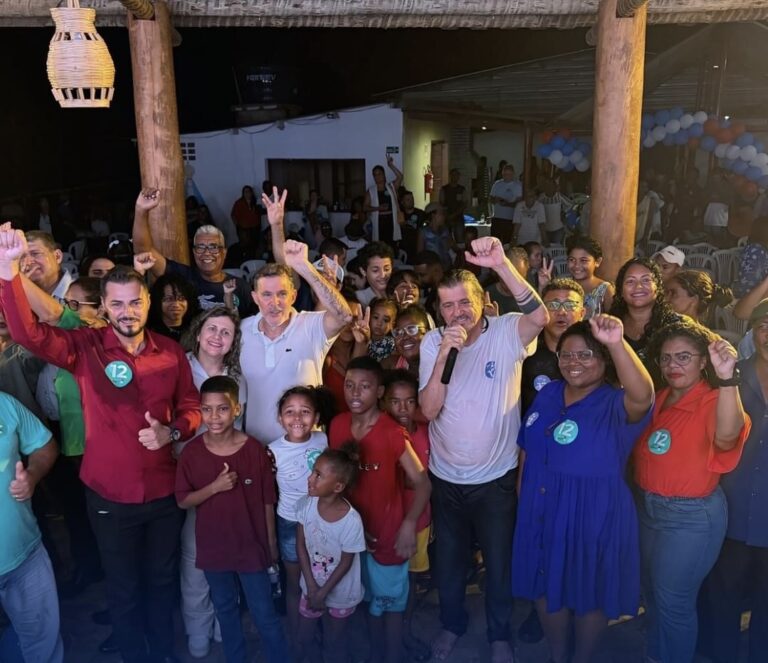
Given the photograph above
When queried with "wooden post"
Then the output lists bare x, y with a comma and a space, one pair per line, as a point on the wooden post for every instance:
157, 129
528, 183
619, 61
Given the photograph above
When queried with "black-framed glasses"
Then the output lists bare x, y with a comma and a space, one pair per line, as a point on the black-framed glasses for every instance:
410, 330
74, 304
567, 305
578, 355
680, 358
200, 249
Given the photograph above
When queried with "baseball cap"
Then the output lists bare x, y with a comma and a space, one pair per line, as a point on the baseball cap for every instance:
758, 313
671, 254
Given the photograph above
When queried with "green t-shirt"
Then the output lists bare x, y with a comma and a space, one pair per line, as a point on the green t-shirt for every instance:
68, 395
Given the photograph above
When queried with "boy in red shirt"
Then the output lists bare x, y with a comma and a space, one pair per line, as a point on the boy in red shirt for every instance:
227, 475
401, 402
387, 462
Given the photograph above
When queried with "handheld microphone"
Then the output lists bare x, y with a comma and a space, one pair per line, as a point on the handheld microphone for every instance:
449, 364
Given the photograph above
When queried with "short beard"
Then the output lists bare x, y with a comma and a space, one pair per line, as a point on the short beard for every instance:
128, 334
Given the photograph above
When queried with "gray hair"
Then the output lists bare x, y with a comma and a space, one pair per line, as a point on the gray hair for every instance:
210, 230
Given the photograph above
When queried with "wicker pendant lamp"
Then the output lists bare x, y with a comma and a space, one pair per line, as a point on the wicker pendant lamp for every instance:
80, 68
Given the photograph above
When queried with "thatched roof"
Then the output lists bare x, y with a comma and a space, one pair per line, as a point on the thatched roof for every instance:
445, 14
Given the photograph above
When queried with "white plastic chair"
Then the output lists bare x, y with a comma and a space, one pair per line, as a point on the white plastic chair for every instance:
727, 265
705, 247
77, 249
72, 268
653, 246
560, 266
743, 241
703, 262
119, 237
250, 267
66, 256
688, 249
724, 319
239, 273
556, 252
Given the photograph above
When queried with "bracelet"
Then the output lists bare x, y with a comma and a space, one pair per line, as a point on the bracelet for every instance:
733, 381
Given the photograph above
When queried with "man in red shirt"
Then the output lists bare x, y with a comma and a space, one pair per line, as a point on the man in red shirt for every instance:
138, 397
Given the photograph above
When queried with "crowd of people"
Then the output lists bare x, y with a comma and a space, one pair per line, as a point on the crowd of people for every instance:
355, 422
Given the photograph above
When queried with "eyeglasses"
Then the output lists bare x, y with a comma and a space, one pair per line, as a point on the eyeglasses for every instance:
74, 304
567, 305
169, 299
680, 358
578, 355
203, 248
410, 330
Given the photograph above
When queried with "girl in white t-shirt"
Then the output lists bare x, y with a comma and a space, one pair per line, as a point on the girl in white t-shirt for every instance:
300, 411
329, 539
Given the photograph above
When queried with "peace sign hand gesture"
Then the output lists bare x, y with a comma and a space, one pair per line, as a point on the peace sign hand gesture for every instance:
361, 327
545, 271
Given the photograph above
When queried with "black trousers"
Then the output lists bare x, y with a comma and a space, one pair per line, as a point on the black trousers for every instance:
738, 581
139, 545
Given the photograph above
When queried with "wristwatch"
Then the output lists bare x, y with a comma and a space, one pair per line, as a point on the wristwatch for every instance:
733, 381
175, 434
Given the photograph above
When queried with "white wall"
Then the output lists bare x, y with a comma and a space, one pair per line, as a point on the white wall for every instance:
228, 160
417, 153
498, 145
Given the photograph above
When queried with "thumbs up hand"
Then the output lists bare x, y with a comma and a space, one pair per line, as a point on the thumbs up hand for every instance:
225, 481
23, 485
156, 435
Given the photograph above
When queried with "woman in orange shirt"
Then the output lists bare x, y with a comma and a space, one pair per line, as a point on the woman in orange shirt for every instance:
697, 433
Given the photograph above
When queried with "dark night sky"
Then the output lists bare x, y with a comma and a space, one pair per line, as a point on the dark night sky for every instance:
47, 148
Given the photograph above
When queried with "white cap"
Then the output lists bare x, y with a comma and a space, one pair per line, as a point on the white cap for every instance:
671, 254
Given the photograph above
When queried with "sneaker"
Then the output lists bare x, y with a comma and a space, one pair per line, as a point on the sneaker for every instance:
199, 646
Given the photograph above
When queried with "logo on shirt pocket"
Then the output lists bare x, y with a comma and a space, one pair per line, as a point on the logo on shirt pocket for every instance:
490, 370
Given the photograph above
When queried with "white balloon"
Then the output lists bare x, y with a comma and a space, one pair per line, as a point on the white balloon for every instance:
720, 150
764, 169
673, 126
733, 152
575, 157
556, 157
658, 133
748, 152
686, 120
700, 117
583, 166
761, 159
649, 141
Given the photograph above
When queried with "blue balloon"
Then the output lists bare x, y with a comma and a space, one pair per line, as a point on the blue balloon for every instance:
648, 121
568, 148
681, 137
740, 167
763, 182
753, 173
728, 163
696, 130
557, 143
544, 150
567, 167
585, 149
676, 113
759, 146
662, 117
745, 139
708, 143
669, 139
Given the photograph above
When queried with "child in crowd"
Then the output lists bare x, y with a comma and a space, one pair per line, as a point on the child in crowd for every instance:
387, 461
376, 260
227, 475
383, 314
329, 540
535, 253
410, 326
354, 238
299, 410
401, 401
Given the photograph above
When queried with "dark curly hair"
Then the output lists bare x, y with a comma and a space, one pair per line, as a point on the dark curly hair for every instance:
345, 462
585, 243
584, 330
179, 286
699, 337
661, 314
321, 398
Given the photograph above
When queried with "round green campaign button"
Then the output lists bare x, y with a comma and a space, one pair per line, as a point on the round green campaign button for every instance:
119, 373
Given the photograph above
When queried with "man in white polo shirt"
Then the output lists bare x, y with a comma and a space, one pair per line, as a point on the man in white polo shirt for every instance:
473, 428
505, 194
283, 348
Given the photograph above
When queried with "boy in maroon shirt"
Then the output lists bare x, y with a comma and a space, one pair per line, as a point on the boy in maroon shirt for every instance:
387, 462
227, 475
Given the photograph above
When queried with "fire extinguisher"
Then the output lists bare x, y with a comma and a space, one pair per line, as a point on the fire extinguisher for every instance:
429, 180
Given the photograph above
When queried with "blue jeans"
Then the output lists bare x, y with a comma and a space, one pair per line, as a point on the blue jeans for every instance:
680, 539
486, 511
28, 596
258, 594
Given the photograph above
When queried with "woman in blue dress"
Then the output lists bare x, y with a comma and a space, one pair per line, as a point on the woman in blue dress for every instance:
576, 551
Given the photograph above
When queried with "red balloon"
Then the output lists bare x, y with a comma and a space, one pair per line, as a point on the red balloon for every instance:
738, 128
547, 136
693, 142
565, 133
739, 181
724, 136
749, 190
711, 127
